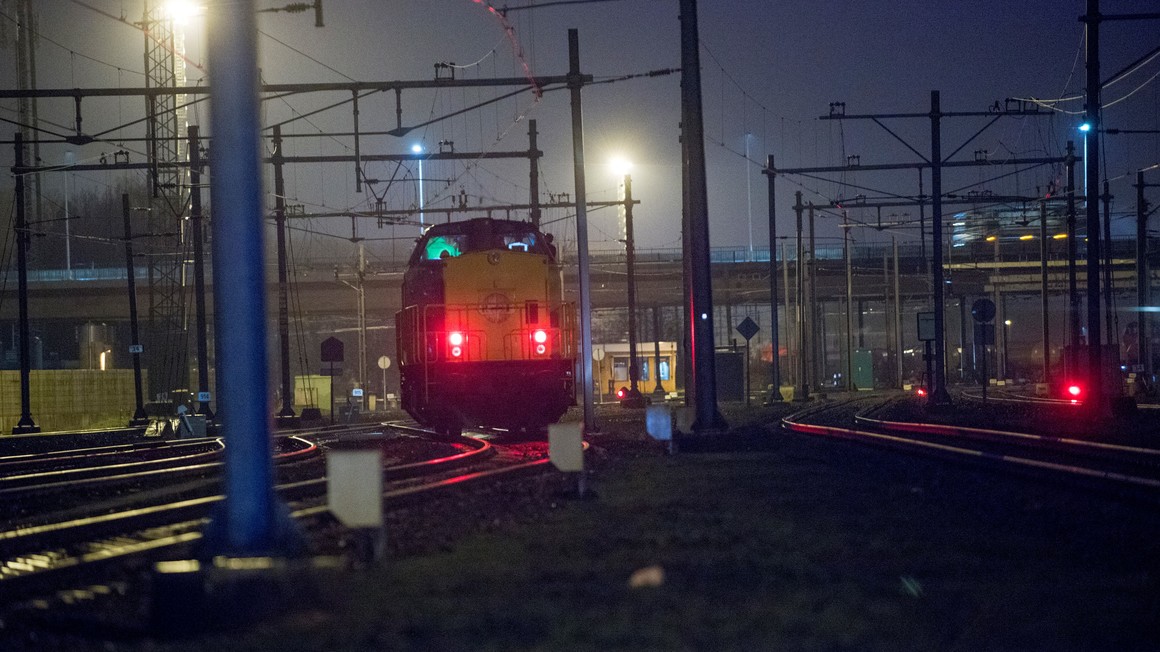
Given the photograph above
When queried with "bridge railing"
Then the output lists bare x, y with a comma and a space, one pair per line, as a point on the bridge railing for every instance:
870, 254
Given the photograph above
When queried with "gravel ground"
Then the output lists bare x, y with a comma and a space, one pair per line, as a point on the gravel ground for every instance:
750, 540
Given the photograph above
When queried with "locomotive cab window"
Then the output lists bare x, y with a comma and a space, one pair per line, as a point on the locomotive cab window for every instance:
519, 242
443, 246
456, 239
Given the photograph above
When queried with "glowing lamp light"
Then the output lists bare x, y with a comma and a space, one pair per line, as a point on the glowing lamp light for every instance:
540, 337
1026, 237
991, 238
1085, 127
1074, 391
417, 148
620, 166
920, 391
181, 11
622, 392
456, 340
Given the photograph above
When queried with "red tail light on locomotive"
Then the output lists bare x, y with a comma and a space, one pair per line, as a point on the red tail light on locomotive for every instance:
455, 342
540, 341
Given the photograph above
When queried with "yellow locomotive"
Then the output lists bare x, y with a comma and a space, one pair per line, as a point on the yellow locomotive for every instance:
484, 336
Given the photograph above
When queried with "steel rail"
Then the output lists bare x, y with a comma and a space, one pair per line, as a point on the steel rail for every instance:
793, 423
89, 477
32, 566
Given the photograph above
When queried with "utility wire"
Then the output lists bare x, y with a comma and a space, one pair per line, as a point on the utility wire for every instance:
41, 36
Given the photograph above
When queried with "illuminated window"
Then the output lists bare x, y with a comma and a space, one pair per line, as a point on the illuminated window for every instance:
443, 246
520, 242
620, 369
663, 369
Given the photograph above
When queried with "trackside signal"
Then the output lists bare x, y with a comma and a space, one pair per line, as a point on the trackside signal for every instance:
1074, 391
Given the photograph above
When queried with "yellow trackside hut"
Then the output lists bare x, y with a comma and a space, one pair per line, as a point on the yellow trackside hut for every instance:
610, 367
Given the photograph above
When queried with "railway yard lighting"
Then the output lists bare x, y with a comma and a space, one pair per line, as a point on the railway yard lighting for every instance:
181, 11
417, 149
633, 397
1006, 355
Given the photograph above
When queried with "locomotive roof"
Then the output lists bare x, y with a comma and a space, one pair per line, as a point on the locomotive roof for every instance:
452, 239
463, 226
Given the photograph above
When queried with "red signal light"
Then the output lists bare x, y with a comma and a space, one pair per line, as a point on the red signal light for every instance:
540, 338
920, 391
1074, 391
622, 392
456, 340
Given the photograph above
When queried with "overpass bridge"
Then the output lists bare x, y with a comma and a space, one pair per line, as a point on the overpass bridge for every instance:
886, 297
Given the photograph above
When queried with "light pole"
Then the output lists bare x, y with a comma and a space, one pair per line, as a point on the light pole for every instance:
1006, 355
70, 160
633, 398
749, 195
417, 150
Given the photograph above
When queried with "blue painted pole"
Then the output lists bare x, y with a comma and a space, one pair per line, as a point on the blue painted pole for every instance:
248, 522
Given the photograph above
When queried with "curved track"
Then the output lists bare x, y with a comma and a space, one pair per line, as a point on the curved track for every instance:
1124, 469
168, 518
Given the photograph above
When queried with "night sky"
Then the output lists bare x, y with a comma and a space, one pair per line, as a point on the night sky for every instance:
770, 69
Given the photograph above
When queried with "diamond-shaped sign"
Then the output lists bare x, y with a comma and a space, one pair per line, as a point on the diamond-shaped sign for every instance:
748, 328
332, 350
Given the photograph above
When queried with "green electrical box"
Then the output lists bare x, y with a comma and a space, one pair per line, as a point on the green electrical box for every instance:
863, 369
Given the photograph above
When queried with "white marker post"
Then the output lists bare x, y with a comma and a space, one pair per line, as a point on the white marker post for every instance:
658, 421
354, 490
566, 449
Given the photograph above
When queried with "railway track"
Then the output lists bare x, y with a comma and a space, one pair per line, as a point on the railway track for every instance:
165, 517
1122, 469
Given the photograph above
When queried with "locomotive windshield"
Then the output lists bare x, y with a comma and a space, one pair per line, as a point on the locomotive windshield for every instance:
484, 234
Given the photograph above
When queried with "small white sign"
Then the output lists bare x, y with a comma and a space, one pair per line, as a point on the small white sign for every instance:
384, 362
356, 392
566, 446
136, 348
354, 486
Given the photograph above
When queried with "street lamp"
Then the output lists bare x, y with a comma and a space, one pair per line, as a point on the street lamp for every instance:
70, 159
621, 168
749, 195
1006, 356
633, 397
418, 149
181, 11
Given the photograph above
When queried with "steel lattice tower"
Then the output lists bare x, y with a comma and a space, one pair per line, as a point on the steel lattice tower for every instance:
167, 347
